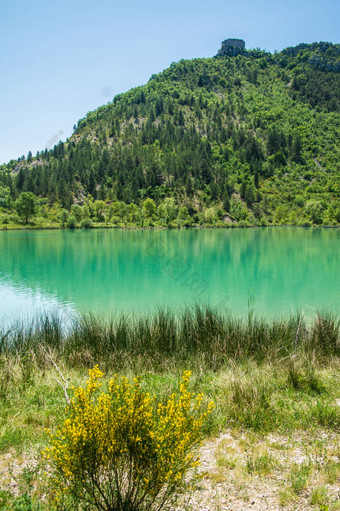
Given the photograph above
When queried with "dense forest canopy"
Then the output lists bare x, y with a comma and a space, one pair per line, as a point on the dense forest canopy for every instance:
248, 139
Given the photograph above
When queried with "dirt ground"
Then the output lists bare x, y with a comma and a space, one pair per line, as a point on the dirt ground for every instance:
243, 471
246, 472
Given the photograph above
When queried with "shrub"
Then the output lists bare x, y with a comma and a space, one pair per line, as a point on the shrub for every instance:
209, 215
183, 214
121, 449
86, 223
14, 219
77, 212
63, 218
39, 220
71, 222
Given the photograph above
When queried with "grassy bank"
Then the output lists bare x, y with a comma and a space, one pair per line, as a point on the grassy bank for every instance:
43, 224
266, 378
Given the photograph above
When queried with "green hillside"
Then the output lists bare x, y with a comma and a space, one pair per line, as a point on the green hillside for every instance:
245, 139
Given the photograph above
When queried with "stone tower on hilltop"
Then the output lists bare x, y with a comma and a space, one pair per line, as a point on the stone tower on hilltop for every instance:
232, 47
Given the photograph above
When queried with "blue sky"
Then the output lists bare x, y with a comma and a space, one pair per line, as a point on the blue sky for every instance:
60, 59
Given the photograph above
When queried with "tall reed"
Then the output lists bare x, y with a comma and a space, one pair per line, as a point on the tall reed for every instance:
197, 331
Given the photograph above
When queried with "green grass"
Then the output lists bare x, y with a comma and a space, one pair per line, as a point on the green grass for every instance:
278, 376
263, 376
198, 334
261, 464
27, 408
319, 497
299, 475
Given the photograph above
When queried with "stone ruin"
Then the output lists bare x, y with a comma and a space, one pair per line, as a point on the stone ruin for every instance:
232, 47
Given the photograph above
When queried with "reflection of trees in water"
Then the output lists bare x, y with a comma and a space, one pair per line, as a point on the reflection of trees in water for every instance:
92, 266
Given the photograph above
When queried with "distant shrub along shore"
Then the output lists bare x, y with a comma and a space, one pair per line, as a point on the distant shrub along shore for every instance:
32, 213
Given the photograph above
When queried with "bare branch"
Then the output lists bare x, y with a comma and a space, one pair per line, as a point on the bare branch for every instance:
65, 386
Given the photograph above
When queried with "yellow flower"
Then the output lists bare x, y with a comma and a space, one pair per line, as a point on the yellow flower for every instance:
106, 432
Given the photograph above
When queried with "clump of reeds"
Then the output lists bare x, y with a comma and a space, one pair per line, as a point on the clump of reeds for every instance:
195, 333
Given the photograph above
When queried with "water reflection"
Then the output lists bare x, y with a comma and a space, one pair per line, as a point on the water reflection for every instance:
107, 270
19, 302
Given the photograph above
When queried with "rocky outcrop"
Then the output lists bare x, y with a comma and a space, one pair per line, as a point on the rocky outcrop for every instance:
232, 47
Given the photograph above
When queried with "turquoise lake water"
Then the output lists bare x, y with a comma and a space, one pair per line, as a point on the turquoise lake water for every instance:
279, 269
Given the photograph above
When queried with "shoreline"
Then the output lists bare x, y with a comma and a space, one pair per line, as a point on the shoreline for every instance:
161, 228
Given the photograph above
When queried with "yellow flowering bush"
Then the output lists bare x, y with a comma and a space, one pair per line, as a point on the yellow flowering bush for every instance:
123, 450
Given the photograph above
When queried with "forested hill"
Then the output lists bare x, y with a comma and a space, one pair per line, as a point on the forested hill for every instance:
251, 138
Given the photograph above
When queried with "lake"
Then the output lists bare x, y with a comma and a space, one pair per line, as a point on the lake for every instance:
274, 270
